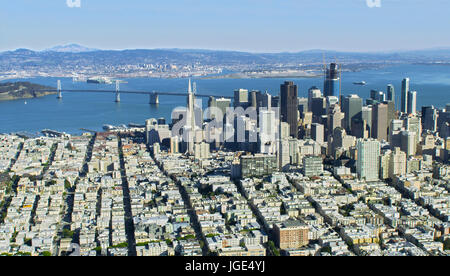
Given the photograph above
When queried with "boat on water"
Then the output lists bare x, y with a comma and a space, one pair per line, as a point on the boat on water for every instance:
133, 125
99, 80
360, 83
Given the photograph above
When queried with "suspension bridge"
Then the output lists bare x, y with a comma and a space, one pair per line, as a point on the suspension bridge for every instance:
154, 95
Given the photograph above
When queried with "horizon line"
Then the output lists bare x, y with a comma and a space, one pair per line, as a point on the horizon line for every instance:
93, 49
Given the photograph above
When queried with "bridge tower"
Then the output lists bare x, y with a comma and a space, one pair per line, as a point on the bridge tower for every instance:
154, 98
117, 92
59, 90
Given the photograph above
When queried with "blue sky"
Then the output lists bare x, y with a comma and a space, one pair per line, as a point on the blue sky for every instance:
245, 25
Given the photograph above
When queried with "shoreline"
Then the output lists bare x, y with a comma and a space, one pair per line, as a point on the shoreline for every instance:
13, 98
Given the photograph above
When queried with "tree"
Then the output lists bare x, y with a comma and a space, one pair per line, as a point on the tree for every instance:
273, 248
67, 184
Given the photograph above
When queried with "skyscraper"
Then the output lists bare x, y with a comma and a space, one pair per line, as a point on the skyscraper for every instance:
313, 92
332, 80
367, 112
352, 108
289, 106
367, 165
429, 118
397, 163
412, 102
391, 93
241, 98
312, 166
405, 90
266, 100
191, 119
256, 99
408, 142
223, 104
380, 122
268, 126
317, 132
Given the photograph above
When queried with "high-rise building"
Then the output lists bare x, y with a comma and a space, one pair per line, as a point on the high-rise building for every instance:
191, 119
405, 90
395, 130
334, 119
313, 92
408, 143
318, 108
283, 154
268, 129
397, 163
317, 133
352, 108
385, 158
241, 98
302, 106
291, 234
223, 104
381, 97
332, 100
174, 145
289, 106
332, 81
258, 165
256, 99
367, 164
367, 112
266, 100
202, 151
391, 93
429, 118
413, 123
412, 102
312, 166
380, 122
340, 142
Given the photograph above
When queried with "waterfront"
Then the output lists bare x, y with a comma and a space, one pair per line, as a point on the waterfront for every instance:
93, 110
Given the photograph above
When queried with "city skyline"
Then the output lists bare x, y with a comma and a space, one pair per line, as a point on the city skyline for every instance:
236, 25
183, 152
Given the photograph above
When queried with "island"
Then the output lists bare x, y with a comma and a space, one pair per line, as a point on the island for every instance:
23, 90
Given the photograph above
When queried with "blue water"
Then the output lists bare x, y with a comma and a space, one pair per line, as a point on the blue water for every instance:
93, 110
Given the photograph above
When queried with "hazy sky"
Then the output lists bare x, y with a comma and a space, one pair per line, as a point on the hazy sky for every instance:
246, 25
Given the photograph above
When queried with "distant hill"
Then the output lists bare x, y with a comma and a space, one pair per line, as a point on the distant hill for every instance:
73, 58
22, 90
71, 48
76, 55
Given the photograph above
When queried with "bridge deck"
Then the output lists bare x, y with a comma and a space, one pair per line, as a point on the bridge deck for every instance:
131, 92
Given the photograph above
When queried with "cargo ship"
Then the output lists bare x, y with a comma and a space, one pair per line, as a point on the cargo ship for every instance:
99, 80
